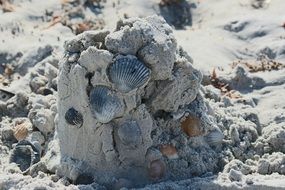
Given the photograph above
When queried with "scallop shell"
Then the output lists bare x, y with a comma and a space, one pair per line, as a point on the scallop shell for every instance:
25, 154
191, 126
128, 74
21, 132
129, 133
74, 117
157, 169
169, 151
215, 137
104, 104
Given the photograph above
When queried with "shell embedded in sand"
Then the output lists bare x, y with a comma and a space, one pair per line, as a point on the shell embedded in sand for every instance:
73, 117
157, 169
25, 154
21, 131
5, 95
128, 74
84, 179
169, 151
215, 137
129, 133
104, 103
191, 126
122, 183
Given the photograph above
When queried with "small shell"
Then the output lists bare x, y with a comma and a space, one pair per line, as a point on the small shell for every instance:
5, 95
157, 169
129, 133
128, 74
25, 154
191, 126
84, 179
169, 151
21, 131
73, 117
104, 104
215, 137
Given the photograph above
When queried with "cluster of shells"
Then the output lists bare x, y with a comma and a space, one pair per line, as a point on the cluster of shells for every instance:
112, 93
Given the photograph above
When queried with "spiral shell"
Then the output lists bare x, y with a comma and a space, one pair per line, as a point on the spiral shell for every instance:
215, 137
128, 73
104, 104
21, 132
73, 117
25, 154
157, 169
129, 133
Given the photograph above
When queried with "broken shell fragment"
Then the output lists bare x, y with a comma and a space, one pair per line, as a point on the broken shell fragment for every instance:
169, 151
128, 73
129, 133
73, 117
104, 104
191, 126
5, 95
157, 169
21, 131
25, 154
215, 137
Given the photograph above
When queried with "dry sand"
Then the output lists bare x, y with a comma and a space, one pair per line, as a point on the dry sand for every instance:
237, 45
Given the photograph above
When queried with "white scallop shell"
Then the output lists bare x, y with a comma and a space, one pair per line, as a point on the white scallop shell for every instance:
128, 74
104, 104
215, 137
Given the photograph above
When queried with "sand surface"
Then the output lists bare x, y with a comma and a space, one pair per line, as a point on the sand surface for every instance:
239, 46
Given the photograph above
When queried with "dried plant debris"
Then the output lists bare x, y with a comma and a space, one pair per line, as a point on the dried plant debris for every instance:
223, 86
259, 65
73, 15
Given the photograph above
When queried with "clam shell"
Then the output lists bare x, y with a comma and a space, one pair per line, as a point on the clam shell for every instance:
25, 154
129, 133
169, 151
21, 131
157, 169
104, 104
74, 117
128, 74
191, 126
215, 137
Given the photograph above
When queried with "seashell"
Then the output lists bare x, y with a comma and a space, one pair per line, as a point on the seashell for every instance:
73, 117
129, 133
169, 151
84, 179
5, 95
191, 126
25, 154
128, 74
104, 104
215, 137
157, 169
21, 131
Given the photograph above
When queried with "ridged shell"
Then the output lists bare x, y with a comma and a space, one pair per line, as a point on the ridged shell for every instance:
191, 126
21, 132
104, 104
74, 117
25, 154
157, 169
128, 74
215, 137
129, 133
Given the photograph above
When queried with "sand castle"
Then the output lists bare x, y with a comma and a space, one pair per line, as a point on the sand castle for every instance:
129, 108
